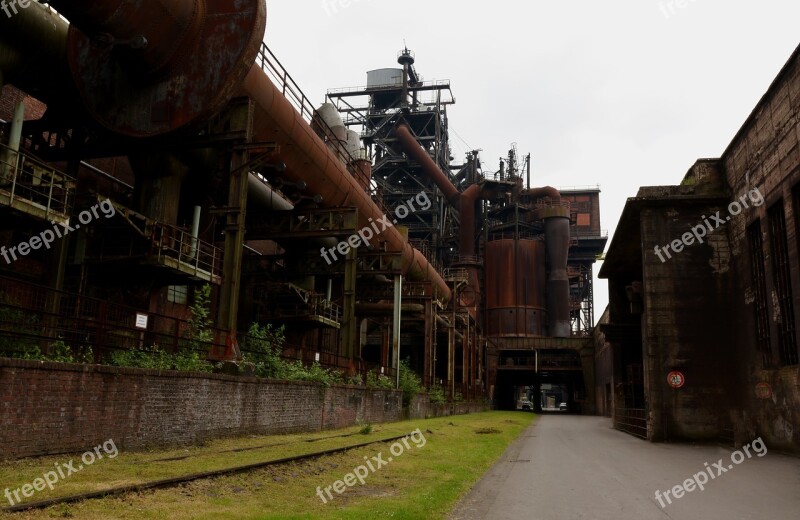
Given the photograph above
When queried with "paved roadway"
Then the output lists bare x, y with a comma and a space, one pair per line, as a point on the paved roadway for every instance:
566, 467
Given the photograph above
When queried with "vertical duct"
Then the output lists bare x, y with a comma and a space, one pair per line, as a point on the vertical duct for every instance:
557, 240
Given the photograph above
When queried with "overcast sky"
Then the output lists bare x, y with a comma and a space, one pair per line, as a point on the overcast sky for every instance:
620, 93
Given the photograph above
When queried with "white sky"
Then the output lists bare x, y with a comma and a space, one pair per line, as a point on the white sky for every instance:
615, 92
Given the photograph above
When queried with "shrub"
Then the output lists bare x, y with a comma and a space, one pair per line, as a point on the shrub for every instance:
263, 348
410, 383
436, 395
154, 358
376, 380
200, 333
313, 373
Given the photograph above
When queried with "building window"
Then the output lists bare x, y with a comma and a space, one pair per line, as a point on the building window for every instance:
178, 294
759, 279
783, 285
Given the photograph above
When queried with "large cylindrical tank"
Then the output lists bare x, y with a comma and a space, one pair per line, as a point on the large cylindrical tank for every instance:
515, 288
354, 144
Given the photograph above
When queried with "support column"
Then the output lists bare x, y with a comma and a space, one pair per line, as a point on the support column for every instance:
397, 316
465, 360
427, 378
451, 356
349, 307
9, 156
234, 251
385, 345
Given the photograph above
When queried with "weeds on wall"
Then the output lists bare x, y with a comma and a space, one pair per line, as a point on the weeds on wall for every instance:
376, 380
436, 395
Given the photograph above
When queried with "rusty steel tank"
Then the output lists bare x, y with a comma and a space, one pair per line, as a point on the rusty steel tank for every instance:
515, 288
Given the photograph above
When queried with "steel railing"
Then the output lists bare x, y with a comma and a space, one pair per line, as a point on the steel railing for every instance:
24, 177
632, 421
193, 256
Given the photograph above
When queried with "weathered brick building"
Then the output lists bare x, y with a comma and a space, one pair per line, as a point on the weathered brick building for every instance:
700, 337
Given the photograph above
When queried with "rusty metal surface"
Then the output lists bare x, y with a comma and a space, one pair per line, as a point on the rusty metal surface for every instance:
412, 147
37, 35
515, 288
197, 54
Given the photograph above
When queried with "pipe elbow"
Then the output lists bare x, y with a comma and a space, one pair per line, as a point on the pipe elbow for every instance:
546, 191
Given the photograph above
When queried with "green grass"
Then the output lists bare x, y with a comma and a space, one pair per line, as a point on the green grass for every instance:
422, 483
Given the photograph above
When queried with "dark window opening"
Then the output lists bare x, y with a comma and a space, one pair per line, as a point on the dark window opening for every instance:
783, 285
759, 279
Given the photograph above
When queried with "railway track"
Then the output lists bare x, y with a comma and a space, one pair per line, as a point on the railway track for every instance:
174, 481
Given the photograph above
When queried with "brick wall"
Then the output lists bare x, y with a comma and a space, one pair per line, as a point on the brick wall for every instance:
10, 96
49, 408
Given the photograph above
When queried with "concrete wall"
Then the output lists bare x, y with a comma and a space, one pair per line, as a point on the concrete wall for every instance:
49, 408
686, 325
766, 155
604, 370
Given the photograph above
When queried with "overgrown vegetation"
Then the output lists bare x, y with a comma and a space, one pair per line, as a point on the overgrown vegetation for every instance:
436, 395
376, 380
155, 358
189, 356
410, 383
18, 337
200, 333
262, 349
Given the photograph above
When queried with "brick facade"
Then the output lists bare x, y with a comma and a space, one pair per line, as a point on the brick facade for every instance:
765, 154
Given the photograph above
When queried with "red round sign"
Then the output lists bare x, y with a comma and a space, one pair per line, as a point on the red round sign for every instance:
676, 379
763, 391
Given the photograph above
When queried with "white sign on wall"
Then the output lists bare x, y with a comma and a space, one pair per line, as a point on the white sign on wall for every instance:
141, 321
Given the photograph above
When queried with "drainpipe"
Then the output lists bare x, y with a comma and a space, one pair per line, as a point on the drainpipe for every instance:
195, 231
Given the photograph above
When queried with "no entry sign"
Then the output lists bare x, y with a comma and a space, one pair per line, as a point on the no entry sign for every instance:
676, 379
763, 391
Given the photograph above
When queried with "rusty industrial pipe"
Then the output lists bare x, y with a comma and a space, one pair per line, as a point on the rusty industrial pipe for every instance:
155, 33
412, 147
308, 159
557, 235
151, 67
540, 193
38, 35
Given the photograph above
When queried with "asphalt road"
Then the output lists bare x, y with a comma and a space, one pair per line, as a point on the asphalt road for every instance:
567, 467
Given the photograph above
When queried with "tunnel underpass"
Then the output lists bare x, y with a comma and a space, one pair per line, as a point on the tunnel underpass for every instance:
555, 377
